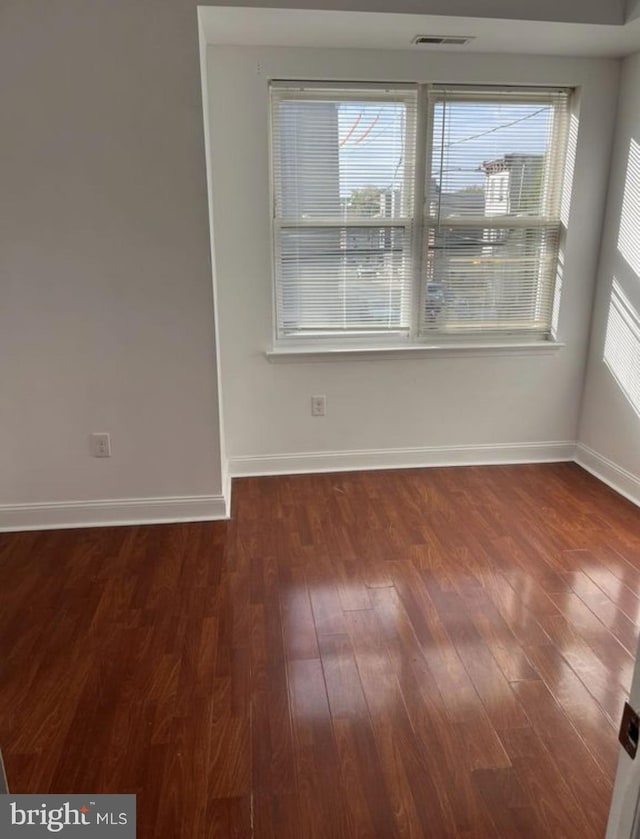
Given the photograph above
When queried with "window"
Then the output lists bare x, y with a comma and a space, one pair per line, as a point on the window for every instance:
415, 213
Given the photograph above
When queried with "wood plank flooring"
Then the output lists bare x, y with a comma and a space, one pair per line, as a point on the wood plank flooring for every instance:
431, 653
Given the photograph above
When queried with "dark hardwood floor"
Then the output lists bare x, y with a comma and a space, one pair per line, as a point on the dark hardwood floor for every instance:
433, 653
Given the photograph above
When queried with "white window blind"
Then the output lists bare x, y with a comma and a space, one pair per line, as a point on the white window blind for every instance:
492, 214
415, 212
343, 180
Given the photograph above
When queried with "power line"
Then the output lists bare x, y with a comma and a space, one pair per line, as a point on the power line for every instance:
350, 131
388, 122
395, 174
497, 128
367, 131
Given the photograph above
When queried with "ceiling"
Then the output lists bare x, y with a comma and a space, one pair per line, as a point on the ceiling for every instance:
250, 26
610, 12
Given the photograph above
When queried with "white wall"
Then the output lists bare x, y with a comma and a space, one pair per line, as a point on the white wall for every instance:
610, 425
106, 319
631, 9
106, 309
627, 784
496, 405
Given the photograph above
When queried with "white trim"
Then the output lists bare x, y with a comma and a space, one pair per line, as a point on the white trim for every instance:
619, 479
133, 511
4, 783
340, 223
362, 460
120, 511
290, 353
227, 485
491, 222
206, 126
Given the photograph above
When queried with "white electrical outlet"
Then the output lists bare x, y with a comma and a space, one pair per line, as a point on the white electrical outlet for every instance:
318, 406
100, 445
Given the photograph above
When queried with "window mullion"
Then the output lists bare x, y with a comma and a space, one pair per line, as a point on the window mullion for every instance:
422, 171
341, 224
495, 222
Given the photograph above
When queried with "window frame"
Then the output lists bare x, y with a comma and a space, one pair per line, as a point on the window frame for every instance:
367, 338
417, 340
545, 224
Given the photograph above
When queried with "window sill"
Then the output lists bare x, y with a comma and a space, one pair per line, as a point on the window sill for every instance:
280, 355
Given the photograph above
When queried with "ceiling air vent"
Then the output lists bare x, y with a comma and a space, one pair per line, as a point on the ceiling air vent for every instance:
449, 40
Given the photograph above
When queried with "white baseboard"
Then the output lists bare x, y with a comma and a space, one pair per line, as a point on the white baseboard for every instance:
610, 473
121, 511
132, 511
352, 461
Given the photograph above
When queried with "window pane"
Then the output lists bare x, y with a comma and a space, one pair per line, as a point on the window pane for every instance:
343, 168
335, 280
489, 279
342, 159
493, 209
491, 158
